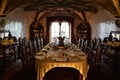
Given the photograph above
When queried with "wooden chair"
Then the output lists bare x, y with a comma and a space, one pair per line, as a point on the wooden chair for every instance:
19, 47
35, 45
110, 54
24, 52
41, 42
85, 46
63, 73
38, 43
96, 59
90, 52
79, 42
31, 50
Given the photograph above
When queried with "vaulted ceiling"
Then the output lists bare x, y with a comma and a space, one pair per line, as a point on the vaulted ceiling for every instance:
60, 7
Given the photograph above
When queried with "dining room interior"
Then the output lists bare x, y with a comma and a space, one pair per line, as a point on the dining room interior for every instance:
59, 39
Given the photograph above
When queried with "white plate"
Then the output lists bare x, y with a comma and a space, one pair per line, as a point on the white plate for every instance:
78, 50
60, 59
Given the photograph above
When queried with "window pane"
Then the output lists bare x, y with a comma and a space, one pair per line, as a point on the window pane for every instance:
57, 30
15, 29
65, 29
54, 31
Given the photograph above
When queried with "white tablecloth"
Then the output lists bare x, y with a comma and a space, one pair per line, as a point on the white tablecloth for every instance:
46, 63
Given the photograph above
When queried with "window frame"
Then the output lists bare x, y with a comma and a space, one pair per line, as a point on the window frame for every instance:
55, 39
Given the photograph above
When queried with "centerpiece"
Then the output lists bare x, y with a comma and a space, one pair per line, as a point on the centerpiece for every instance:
61, 41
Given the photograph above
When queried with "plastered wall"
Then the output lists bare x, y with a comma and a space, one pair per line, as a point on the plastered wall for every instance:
103, 16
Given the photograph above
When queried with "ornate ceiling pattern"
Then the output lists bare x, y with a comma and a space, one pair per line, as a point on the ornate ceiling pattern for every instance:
60, 7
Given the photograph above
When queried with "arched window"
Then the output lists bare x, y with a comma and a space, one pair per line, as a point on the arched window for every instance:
60, 29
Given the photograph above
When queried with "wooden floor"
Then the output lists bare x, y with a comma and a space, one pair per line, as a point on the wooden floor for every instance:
27, 72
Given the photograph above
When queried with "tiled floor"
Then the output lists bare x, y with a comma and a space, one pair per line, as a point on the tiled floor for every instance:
28, 73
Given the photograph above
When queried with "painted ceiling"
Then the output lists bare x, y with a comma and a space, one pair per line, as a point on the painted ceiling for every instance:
60, 7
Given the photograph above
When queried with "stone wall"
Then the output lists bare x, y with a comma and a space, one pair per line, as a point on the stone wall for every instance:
18, 22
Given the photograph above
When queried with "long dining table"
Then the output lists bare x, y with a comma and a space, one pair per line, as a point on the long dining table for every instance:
51, 56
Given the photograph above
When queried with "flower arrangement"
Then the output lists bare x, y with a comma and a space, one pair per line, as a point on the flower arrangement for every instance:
61, 41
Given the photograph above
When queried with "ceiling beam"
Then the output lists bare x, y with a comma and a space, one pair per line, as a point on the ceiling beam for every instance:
2, 7
117, 6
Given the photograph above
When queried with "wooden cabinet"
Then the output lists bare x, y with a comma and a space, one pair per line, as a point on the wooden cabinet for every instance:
8, 50
84, 31
8, 55
36, 31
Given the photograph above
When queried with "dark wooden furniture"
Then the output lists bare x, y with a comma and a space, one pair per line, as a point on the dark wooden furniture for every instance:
9, 54
111, 55
111, 48
8, 50
84, 31
115, 34
36, 31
